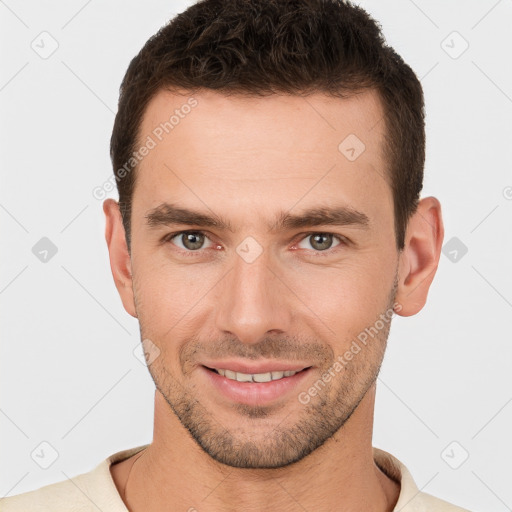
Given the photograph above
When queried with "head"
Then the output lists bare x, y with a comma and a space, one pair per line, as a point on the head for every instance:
286, 139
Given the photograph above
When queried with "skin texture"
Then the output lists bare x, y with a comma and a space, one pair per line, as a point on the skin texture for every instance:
248, 160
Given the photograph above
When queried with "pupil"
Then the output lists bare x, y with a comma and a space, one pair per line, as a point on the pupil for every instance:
192, 240
316, 238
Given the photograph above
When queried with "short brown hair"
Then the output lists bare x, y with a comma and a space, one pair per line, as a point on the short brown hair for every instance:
262, 47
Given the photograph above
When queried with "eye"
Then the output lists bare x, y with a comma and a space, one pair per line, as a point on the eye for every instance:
321, 241
190, 240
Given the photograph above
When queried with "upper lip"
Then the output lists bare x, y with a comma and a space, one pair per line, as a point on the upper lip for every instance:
252, 368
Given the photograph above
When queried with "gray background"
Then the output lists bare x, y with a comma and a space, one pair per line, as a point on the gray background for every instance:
68, 371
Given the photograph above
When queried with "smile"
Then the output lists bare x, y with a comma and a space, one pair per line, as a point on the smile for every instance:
254, 377
260, 388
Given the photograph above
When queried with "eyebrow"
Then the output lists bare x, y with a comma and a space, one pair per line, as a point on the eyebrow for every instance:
167, 214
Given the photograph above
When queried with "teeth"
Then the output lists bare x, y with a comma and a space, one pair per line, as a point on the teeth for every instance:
254, 377
230, 375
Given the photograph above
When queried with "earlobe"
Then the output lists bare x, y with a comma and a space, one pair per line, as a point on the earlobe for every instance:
420, 257
120, 261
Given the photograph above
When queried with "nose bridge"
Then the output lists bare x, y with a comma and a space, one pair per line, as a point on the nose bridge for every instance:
252, 300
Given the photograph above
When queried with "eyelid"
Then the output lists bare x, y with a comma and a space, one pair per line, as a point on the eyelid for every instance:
297, 239
303, 236
168, 237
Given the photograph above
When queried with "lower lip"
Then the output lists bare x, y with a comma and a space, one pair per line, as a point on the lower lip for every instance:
254, 393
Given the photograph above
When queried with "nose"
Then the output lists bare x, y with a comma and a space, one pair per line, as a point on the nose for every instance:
253, 301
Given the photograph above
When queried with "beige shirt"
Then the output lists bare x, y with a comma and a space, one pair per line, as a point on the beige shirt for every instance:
96, 490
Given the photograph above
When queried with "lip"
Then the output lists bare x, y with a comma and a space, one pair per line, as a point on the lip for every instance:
245, 367
254, 393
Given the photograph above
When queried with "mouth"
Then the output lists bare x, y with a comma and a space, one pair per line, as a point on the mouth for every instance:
255, 377
256, 389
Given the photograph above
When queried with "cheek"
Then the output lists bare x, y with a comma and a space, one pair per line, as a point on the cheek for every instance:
169, 296
346, 299
340, 300
157, 295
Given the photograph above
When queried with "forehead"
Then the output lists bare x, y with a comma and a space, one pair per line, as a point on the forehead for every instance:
262, 152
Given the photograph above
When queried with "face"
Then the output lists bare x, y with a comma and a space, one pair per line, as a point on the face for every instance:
263, 242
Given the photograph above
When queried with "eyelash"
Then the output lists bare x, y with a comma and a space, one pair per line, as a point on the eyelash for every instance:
317, 254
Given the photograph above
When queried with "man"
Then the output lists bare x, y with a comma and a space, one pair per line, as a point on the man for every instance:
269, 160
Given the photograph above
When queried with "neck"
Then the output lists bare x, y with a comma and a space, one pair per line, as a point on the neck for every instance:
339, 475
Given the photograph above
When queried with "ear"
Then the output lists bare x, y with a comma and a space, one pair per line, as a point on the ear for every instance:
420, 256
120, 261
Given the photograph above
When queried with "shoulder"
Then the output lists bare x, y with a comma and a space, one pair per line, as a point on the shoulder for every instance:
58, 497
424, 502
411, 499
91, 491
